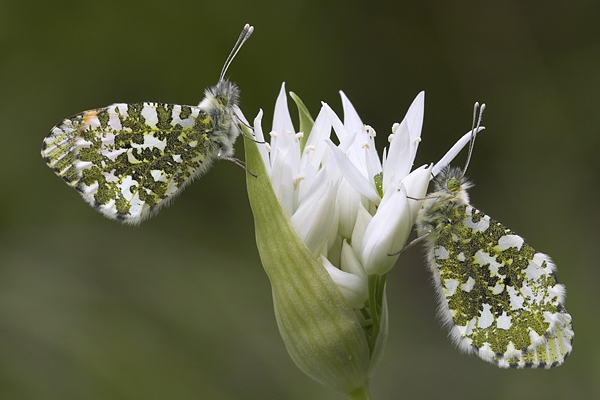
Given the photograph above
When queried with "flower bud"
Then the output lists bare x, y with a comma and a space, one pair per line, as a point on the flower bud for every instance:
318, 326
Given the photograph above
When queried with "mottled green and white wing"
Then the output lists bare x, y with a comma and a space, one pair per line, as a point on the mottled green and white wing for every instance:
128, 160
499, 298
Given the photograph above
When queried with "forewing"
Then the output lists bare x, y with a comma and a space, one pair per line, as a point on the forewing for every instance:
128, 160
499, 297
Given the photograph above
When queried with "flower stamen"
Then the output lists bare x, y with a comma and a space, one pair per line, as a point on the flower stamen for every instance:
370, 131
296, 181
309, 148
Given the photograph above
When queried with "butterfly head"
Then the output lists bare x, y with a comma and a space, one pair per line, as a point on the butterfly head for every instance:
225, 95
452, 182
221, 104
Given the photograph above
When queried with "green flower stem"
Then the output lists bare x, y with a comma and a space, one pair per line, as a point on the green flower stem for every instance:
376, 298
362, 393
320, 330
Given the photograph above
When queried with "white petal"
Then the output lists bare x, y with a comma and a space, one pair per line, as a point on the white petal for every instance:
307, 183
416, 184
352, 121
282, 178
333, 240
362, 151
372, 161
363, 217
315, 148
449, 156
405, 142
315, 215
397, 162
355, 142
283, 135
329, 173
350, 262
282, 122
387, 233
238, 112
353, 175
338, 126
348, 201
259, 135
414, 116
258, 132
353, 288
289, 148
334, 249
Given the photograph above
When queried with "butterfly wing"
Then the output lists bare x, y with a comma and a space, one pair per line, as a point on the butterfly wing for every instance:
499, 297
128, 160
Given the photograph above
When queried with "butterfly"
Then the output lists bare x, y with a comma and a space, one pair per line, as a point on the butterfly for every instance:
499, 298
129, 160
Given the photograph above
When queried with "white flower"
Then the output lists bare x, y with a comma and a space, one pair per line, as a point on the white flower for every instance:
331, 192
327, 219
386, 230
305, 190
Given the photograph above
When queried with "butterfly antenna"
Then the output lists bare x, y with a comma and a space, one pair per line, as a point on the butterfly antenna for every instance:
477, 116
244, 35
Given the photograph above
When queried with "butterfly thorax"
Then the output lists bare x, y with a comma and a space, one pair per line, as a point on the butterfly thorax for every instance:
220, 102
450, 193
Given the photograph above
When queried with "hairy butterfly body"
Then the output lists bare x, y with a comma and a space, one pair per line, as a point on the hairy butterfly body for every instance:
129, 160
499, 298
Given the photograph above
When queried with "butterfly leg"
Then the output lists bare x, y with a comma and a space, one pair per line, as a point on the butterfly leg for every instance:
411, 244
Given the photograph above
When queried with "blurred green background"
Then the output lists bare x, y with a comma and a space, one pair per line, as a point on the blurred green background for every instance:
179, 307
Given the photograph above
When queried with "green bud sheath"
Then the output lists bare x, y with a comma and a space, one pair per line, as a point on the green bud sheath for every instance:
318, 327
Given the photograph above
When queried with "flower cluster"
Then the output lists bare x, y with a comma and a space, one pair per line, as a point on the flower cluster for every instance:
350, 208
329, 218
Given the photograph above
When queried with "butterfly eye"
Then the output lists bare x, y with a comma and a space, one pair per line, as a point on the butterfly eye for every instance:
453, 185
